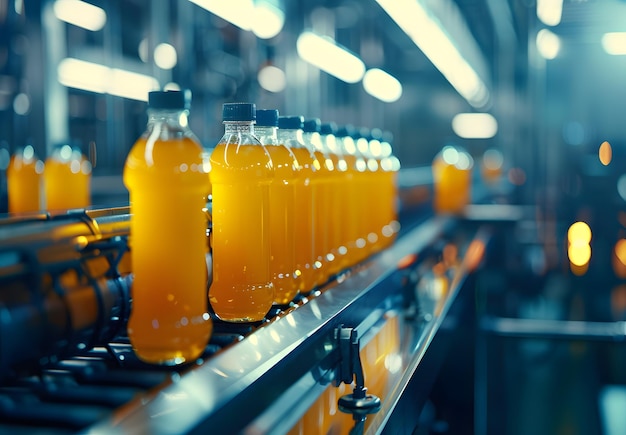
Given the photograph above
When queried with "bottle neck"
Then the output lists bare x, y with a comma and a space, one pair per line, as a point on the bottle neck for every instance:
239, 127
174, 117
314, 138
268, 135
291, 137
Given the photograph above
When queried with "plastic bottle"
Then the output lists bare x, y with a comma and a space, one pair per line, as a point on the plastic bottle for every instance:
290, 134
167, 181
379, 177
241, 174
67, 179
338, 194
24, 181
323, 204
352, 214
391, 166
452, 173
281, 208
368, 189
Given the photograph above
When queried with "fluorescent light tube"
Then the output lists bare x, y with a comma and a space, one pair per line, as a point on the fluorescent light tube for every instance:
550, 11
433, 41
614, 43
92, 77
324, 53
475, 125
382, 85
237, 12
80, 13
548, 44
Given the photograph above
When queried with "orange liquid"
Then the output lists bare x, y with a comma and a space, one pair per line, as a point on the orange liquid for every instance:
370, 190
67, 182
339, 205
306, 195
282, 221
323, 212
388, 225
242, 289
169, 322
24, 184
451, 187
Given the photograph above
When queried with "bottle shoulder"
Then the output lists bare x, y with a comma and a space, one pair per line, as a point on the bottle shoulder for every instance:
240, 162
176, 160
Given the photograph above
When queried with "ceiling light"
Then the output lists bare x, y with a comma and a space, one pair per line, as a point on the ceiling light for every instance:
237, 12
80, 13
268, 20
382, 85
550, 11
324, 53
614, 43
92, 77
475, 125
272, 78
548, 44
434, 42
165, 56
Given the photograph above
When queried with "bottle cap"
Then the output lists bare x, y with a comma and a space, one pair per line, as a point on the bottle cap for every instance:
239, 112
170, 99
290, 122
345, 131
364, 133
312, 125
328, 128
267, 118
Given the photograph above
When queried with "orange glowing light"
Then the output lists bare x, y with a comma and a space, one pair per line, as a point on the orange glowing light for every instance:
579, 233
620, 250
579, 255
474, 254
578, 249
618, 260
579, 270
407, 261
605, 153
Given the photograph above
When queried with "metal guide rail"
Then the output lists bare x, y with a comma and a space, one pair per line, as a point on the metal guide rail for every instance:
67, 366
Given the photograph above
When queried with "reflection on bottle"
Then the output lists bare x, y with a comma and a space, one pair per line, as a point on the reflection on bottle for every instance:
67, 179
24, 178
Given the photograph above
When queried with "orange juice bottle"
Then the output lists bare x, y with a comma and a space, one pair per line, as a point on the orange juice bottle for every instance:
24, 179
452, 172
67, 179
337, 198
167, 182
323, 204
290, 134
390, 167
367, 189
379, 166
241, 175
491, 166
352, 216
281, 208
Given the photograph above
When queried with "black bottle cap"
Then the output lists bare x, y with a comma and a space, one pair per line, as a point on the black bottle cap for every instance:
328, 128
267, 118
312, 125
239, 112
362, 132
170, 99
290, 122
345, 131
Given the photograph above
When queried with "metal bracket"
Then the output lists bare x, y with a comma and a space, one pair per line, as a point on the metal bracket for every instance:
359, 403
